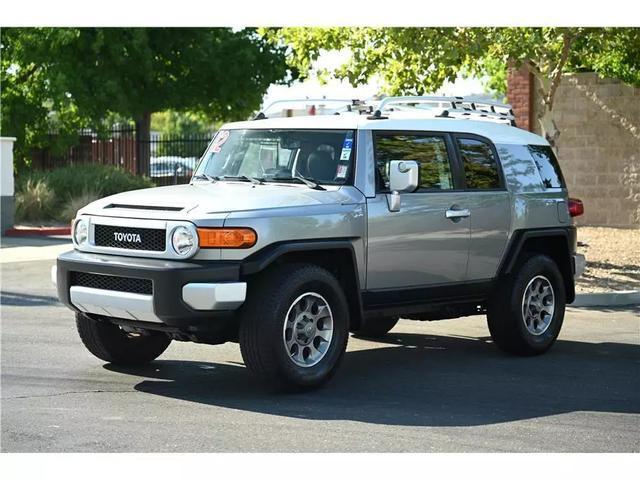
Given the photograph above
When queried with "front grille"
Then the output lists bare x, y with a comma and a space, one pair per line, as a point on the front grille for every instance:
112, 283
147, 239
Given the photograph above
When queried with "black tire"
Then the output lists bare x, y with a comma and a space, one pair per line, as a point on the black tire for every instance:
108, 342
262, 326
375, 328
505, 315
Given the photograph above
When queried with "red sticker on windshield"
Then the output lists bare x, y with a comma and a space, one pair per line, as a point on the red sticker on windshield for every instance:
219, 140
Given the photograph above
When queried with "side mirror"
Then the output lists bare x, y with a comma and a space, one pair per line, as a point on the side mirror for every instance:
403, 176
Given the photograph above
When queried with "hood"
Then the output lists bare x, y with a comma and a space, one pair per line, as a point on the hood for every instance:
187, 201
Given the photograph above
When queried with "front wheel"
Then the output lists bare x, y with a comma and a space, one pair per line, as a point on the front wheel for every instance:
294, 327
526, 311
112, 344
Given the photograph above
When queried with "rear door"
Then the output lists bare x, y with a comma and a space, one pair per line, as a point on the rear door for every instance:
488, 202
420, 245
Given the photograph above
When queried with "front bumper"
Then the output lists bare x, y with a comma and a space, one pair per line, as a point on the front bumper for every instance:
185, 294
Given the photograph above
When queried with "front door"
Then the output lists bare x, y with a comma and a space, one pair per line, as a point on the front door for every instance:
426, 243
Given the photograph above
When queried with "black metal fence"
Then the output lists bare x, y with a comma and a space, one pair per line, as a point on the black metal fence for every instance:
167, 159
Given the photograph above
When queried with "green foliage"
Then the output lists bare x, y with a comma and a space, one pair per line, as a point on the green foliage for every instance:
67, 78
420, 60
407, 60
611, 52
72, 180
188, 127
53, 194
35, 201
182, 123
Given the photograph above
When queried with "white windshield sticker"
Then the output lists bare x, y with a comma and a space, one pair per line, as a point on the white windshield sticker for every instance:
342, 171
219, 140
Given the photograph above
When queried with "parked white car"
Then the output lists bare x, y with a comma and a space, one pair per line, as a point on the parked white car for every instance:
163, 166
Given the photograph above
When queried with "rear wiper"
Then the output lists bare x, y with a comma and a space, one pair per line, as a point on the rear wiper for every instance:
310, 182
204, 176
254, 180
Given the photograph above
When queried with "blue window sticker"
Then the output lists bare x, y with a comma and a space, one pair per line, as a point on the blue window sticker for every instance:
347, 145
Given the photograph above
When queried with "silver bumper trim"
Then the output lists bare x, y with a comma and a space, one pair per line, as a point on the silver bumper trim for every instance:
115, 304
214, 296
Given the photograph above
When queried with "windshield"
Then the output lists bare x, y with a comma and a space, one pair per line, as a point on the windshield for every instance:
323, 156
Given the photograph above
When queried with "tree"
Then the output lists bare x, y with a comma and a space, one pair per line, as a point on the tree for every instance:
66, 78
420, 60
188, 128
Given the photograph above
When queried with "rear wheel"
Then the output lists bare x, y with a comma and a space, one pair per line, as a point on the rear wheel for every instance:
110, 343
294, 327
526, 311
375, 328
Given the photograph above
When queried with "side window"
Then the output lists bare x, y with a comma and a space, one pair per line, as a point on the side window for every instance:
548, 166
429, 151
480, 167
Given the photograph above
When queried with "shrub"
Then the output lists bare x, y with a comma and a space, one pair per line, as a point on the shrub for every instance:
70, 181
35, 201
73, 204
56, 194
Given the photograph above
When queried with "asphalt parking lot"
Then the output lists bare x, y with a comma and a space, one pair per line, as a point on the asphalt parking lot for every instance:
439, 386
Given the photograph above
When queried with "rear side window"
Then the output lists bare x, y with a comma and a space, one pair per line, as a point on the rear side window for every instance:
430, 151
548, 166
480, 166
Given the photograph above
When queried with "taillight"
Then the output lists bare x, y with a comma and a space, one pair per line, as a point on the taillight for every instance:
576, 208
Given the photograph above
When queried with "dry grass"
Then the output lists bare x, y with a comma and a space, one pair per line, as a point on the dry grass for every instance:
34, 201
613, 259
74, 203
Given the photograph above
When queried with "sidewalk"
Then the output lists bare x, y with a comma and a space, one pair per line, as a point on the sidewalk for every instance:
19, 249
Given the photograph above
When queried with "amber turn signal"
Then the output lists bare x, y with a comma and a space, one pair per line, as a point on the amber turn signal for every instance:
227, 237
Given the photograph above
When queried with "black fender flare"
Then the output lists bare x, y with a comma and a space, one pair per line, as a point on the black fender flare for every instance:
520, 237
263, 258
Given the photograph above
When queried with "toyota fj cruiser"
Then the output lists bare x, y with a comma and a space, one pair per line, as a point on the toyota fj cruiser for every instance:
295, 231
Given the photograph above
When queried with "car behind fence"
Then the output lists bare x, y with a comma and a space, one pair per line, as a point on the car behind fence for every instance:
167, 159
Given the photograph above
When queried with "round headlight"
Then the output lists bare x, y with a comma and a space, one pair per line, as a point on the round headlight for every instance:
183, 240
81, 232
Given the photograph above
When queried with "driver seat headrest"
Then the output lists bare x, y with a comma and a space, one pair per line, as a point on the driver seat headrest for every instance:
321, 166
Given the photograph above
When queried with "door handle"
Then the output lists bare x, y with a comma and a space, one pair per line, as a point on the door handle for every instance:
456, 214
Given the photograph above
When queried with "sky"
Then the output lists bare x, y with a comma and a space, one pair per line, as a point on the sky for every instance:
336, 89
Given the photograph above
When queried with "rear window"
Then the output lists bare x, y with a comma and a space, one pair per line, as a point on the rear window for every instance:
480, 167
548, 166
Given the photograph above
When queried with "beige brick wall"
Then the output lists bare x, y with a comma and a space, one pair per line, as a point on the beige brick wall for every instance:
599, 147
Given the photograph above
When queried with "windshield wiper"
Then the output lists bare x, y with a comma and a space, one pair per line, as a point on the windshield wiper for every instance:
253, 179
204, 176
310, 182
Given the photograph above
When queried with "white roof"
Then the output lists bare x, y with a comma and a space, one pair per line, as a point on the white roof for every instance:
497, 132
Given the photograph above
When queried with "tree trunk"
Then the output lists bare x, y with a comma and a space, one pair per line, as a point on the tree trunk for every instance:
143, 143
548, 127
544, 117
549, 84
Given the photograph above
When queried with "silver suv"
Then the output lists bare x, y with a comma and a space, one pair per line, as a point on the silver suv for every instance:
295, 231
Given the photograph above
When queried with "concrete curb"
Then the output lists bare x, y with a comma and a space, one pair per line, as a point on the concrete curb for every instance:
617, 298
38, 231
